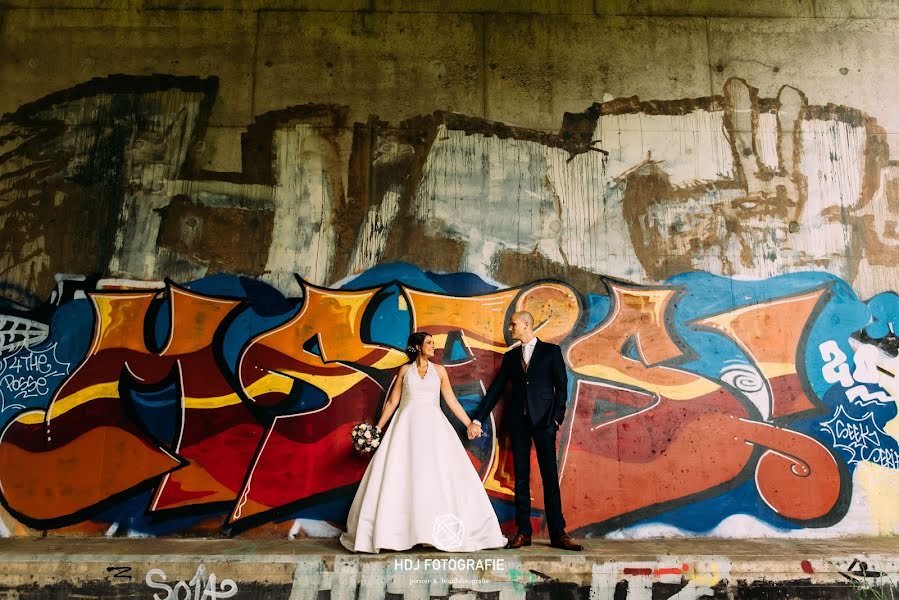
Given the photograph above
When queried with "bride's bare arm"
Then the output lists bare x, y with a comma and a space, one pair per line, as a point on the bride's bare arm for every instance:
447, 390
394, 400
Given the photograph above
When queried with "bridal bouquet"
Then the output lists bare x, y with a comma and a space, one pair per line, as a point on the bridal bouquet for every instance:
366, 438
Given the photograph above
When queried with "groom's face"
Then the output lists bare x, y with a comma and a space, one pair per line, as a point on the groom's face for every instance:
518, 327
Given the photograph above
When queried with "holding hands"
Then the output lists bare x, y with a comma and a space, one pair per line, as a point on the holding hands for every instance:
474, 430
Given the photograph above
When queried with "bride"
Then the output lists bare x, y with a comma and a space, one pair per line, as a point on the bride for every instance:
420, 487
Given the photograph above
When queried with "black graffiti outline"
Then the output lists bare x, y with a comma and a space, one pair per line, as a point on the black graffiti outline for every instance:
121, 572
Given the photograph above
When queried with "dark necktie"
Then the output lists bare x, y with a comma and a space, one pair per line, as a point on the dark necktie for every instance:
524, 367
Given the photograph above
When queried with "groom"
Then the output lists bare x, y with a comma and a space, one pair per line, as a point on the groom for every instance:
535, 412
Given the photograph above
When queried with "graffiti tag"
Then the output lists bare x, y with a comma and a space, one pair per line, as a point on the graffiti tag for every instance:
860, 439
200, 586
836, 370
120, 572
29, 373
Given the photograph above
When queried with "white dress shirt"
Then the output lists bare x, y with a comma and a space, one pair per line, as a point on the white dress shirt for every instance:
527, 350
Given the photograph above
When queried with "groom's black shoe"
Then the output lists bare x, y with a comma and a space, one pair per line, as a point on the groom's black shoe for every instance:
518, 541
564, 542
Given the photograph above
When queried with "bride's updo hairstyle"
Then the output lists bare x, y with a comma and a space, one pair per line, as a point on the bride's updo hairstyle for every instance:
414, 343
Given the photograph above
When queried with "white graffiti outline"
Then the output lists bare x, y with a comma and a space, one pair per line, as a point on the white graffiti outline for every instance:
35, 384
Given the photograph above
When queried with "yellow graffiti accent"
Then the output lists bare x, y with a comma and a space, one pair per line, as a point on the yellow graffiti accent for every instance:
332, 385
334, 318
708, 577
881, 485
194, 320
482, 318
772, 370
35, 417
492, 481
892, 428
108, 389
119, 321
211, 403
111, 390
440, 343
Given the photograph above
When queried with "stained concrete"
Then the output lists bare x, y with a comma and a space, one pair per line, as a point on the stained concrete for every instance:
569, 7
707, 8
831, 60
539, 67
94, 568
46, 50
776, 550
523, 63
857, 9
396, 66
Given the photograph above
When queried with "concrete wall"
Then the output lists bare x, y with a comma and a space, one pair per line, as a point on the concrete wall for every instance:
699, 202
114, 569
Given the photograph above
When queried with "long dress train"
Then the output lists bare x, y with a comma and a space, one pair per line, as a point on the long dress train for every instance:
420, 487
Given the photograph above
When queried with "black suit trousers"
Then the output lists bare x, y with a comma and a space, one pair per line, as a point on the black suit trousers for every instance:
522, 433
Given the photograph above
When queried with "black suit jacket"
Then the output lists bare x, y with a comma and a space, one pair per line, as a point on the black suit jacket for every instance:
543, 388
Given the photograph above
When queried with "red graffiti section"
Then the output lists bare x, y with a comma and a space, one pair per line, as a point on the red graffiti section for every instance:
87, 447
319, 353
273, 437
654, 433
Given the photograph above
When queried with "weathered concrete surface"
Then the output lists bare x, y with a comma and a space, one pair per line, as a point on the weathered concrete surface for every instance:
707, 8
857, 9
837, 58
121, 568
539, 67
569, 7
375, 63
46, 50
521, 66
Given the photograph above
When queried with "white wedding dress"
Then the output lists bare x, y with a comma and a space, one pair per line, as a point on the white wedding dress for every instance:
420, 487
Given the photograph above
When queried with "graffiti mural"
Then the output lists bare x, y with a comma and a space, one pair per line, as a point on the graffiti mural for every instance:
719, 272
702, 404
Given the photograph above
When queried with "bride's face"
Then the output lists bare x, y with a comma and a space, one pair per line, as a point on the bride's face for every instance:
427, 347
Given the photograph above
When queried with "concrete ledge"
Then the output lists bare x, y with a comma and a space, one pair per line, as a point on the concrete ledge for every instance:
217, 568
